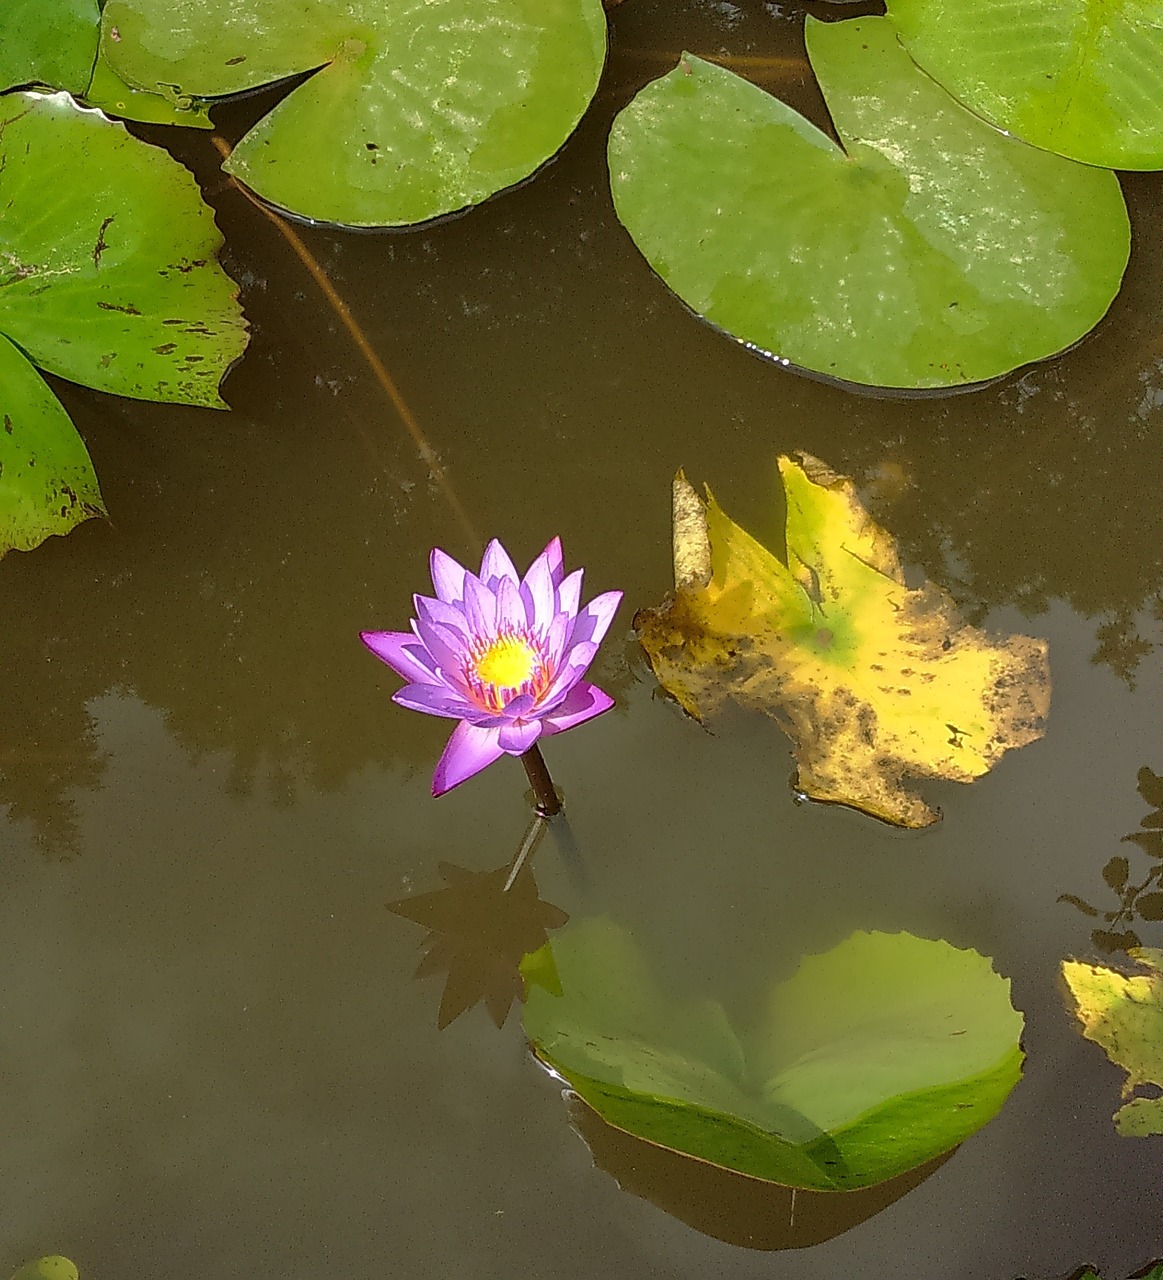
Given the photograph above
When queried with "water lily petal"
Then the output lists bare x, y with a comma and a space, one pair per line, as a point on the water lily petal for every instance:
583, 702
448, 615
577, 659
497, 567
403, 652
519, 737
555, 560
432, 699
569, 593
510, 606
468, 751
594, 620
480, 607
447, 576
524, 704
555, 640
537, 590
445, 646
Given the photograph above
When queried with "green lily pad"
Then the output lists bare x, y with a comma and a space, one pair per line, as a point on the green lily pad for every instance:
50, 42
417, 109
57, 43
932, 251
1124, 1015
47, 483
108, 277
1082, 78
51, 1268
872, 1059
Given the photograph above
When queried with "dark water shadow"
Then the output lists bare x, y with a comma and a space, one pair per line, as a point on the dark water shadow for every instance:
731, 1206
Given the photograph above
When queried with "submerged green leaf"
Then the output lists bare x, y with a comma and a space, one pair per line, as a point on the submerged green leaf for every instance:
1124, 1015
875, 683
872, 1059
932, 251
416, 109
50, 1268
1083, 78
109, 277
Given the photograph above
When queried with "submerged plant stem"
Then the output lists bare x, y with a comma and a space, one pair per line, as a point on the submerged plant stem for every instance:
382, 376
547, 802
529, 843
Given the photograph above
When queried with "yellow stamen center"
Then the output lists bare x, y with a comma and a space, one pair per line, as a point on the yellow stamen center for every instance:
507, 663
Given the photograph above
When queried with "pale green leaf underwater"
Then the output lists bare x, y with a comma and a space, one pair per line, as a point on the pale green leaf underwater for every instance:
872, 1059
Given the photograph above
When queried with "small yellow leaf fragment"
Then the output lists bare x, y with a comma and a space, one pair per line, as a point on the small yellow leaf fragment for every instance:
692, 545
873, 681
1124, 1016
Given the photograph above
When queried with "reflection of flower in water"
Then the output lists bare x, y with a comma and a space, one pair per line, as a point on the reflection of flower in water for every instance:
1143, 900
502, 654
478, 934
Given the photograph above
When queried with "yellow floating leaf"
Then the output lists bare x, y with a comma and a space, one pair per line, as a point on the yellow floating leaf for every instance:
1124, 1015
874, 682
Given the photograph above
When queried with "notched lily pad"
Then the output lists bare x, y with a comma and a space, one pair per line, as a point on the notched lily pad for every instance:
876, 683
1124, 1015
931, 251
872, 1059
416, 109
109, 277
1082, 78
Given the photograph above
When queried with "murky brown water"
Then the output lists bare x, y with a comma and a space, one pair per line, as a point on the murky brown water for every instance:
215, 1060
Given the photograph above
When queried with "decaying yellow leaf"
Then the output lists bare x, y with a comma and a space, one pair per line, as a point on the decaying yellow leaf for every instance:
873, 681
1125, 1016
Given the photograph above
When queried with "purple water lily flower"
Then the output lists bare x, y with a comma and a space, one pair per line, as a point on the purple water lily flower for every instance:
502, 654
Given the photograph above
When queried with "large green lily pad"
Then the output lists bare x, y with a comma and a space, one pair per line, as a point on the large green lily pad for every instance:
872, 1059
1124, 1015
931, 251
876, 683
1083, 78
109, 277
420, 108
56, 43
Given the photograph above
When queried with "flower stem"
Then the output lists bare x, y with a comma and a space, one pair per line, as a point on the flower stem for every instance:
543, 789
